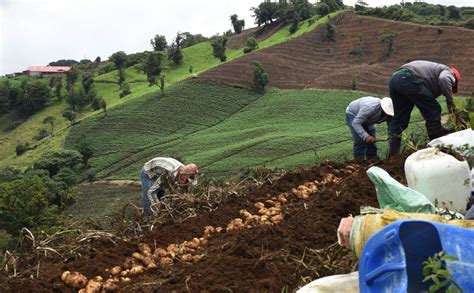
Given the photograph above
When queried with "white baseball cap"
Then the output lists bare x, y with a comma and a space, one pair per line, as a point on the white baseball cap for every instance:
387, 106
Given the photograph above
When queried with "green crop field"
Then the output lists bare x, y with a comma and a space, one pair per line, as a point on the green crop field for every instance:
223, 129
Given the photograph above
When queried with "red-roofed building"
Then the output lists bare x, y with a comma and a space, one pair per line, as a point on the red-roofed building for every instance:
46, 71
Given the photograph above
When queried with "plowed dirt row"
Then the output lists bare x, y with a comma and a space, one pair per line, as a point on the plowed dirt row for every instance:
312, 61
262, 258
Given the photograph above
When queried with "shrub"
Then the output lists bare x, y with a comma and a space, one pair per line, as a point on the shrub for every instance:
41, 134
354, 83
260, 77
53, 161
21, 149
250, 45
70, 115
330, 32
294, 26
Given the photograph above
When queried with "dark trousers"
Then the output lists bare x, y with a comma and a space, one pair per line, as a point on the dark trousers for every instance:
406, 92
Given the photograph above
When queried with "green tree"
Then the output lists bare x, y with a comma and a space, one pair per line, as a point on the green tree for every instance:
24, 203
469, 23
58, 88
87, 82
174, 52
50, 120
4, 96
85, 150
125, 90
73, 99
388, 37
162, 85
33, 96
119, 59
121, 79
159, 43
454, 12
238, 24
153, 66
70, 116
265, 13
260, 77
97, 60
53, 161
219, 47
71, 76
191, 40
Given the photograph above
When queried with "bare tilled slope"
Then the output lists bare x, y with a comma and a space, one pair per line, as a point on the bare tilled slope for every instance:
316, 62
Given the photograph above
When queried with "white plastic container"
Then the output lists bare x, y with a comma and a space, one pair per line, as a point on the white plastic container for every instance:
440, 177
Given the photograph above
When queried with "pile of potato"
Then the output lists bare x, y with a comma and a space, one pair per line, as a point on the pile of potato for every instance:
269, 213
136, 264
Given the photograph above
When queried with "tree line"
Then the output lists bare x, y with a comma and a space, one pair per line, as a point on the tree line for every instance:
422, 12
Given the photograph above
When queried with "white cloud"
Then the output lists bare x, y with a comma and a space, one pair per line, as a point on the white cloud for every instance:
36, 32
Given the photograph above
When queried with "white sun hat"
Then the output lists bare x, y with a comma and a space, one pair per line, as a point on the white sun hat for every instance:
387, 106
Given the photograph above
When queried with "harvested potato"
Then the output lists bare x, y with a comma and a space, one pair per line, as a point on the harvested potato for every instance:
219, 229
160, 252
129, 263
93, 286
166, 261
74, 279
125, 280
115, 270
277, 218
187, 257
111, 287
137, 269
144, 249
259, 205
203, 241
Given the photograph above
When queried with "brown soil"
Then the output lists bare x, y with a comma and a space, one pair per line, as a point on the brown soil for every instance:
312, 61
259, 33
259, 259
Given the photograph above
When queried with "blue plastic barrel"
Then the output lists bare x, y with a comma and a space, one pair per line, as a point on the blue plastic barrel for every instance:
392, 259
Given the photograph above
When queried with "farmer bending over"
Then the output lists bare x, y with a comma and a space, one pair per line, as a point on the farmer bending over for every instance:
420, 83
153, 173
361, 117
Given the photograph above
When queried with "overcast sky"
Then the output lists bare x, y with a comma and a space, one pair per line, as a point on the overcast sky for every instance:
36, 32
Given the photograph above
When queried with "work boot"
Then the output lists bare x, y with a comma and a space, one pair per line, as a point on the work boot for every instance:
394, 145
434, 131
447, 131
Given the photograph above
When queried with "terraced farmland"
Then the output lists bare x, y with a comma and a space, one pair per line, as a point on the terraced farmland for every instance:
313, 61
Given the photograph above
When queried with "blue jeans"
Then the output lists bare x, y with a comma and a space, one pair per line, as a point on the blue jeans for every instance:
146, 184
361, 149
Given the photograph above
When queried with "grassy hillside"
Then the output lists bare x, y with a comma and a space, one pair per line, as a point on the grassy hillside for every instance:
221, 128
198, 56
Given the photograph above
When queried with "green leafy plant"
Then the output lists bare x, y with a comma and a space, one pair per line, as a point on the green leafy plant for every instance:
388, 37
435, 271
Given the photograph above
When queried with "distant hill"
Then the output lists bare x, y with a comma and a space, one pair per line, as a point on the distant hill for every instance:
313, 61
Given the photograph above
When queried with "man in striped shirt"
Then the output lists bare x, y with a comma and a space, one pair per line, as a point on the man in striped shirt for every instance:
153, 173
